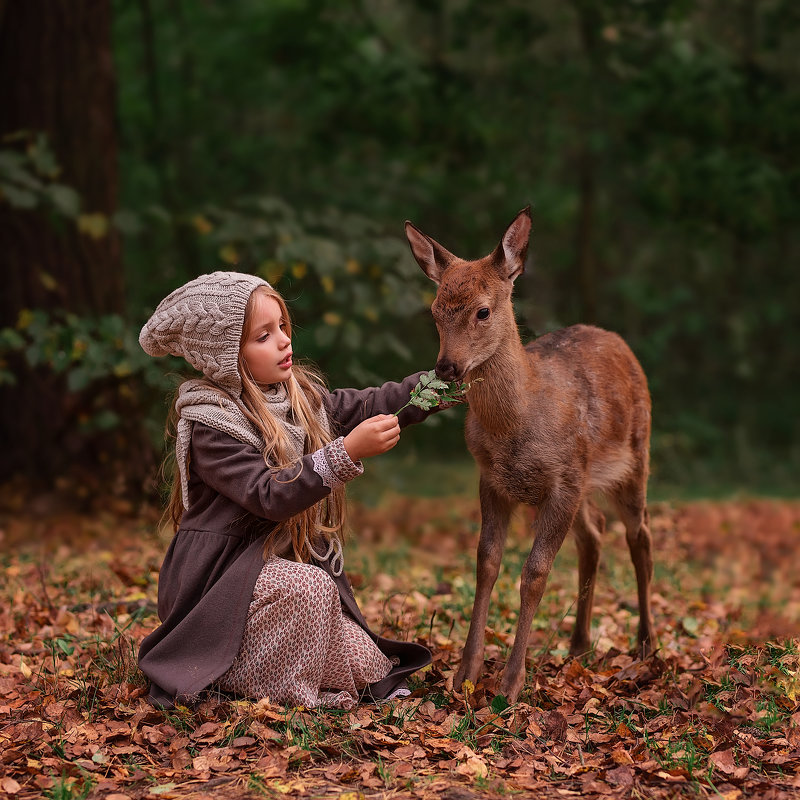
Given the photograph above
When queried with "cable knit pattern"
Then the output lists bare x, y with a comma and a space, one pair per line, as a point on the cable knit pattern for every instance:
199, 402
202, 322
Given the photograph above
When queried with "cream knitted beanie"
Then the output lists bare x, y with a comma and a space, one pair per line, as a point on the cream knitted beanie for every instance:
202, 322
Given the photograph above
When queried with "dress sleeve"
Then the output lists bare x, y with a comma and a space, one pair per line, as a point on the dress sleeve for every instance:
348, 407
238, 471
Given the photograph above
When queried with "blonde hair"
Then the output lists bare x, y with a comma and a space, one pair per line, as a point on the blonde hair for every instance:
305, 387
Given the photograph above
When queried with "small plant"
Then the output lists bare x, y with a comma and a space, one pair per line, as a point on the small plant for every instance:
308, 729
394, 714
385, 772
688, 752
235, 730
115, 657
257, 784
432, 391
60, 648
769, 716
68, 788
182, 719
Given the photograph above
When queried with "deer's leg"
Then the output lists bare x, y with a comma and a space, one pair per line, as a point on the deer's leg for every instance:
588, 527
553, 521
631, 503
495, 514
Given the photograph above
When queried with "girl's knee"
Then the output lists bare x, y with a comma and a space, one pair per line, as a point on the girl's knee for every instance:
315, 586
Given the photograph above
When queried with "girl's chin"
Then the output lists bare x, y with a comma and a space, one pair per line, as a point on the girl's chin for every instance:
282, 379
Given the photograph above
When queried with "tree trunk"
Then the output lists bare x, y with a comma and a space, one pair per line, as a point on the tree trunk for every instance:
57, 78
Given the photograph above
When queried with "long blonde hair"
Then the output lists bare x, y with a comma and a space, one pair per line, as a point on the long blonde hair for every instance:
305, 387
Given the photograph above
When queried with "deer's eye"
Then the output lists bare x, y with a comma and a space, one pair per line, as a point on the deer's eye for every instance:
483, 313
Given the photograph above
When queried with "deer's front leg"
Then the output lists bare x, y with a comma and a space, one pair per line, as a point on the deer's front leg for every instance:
553, 521
495, 514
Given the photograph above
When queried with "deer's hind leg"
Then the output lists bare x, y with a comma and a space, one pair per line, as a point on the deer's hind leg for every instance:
495, 515
631, 503
588, 528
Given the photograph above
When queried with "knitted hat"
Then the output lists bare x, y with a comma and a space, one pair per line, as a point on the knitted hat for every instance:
202, 322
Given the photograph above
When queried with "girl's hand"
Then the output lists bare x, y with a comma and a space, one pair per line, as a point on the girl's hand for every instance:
372, 437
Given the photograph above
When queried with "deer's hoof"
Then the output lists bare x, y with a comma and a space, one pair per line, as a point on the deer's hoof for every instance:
458, 681
467, 672
579, 647
511, 686
646, 648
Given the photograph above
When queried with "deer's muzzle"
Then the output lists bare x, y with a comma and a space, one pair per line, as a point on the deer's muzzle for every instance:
448, 370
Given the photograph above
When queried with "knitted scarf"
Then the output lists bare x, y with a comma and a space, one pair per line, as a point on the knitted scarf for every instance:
198, 401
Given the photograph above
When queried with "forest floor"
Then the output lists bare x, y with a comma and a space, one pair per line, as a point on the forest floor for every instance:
714, 713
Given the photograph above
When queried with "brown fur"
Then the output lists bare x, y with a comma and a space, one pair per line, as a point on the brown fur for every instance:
549, 424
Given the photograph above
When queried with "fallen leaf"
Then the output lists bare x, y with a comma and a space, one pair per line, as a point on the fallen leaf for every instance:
9, 785
620, 776
620, 756
473, 768
163, 789
723, 760
287, 788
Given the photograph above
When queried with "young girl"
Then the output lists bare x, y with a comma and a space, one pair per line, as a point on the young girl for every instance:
252, 596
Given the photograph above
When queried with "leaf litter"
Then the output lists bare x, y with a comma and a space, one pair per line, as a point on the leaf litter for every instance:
714, 713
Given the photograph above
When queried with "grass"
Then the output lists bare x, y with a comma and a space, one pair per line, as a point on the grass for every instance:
69, 788
258, 785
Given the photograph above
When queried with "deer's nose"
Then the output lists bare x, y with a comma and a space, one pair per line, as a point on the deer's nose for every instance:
447, 370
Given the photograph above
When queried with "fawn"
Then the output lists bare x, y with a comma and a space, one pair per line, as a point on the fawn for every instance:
549, 424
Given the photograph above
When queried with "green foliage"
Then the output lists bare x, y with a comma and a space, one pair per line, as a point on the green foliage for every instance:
69, 788
28, 173
431, 392
85, 349
90, 352
352, 291
655, 142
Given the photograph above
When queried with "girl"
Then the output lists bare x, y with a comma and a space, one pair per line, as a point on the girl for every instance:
251, 595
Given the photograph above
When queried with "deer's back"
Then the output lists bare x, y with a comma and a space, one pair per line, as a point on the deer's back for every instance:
583, 414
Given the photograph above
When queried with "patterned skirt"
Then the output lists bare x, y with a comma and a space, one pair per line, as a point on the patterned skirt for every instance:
298, 647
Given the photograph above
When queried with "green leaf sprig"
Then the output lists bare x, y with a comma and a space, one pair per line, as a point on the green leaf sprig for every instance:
432, 391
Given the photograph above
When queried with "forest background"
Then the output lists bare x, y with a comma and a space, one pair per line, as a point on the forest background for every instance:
145, 143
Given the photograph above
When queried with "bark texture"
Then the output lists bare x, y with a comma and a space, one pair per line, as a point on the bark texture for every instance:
56, 78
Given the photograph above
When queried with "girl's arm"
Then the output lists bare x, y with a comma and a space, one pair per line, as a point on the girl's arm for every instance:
238, 471
349, 407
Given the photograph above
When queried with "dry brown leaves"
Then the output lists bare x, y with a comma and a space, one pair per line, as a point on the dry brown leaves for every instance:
714, 713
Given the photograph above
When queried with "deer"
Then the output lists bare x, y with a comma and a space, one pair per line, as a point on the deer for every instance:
551, 425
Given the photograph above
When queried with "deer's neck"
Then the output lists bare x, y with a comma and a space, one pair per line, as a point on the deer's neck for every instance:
499, 384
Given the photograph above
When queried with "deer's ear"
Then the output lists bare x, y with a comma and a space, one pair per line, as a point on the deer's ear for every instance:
514, 244
430, 255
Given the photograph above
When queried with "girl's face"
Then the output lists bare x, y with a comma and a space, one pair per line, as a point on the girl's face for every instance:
267, 351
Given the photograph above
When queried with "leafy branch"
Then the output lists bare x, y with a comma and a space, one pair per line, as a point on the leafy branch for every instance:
432, 391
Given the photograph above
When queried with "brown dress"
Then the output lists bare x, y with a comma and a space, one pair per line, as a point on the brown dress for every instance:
224, 611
